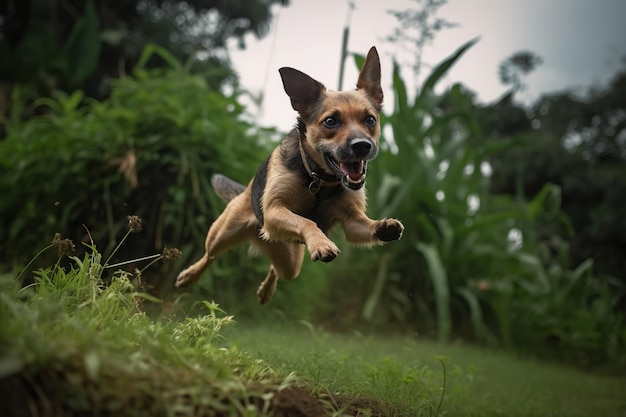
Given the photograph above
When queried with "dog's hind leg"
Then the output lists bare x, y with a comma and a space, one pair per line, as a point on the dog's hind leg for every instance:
267, 287
236, 225
286, 258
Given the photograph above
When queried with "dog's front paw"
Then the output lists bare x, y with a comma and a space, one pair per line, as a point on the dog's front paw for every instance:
388, 230
325, 252
186, 279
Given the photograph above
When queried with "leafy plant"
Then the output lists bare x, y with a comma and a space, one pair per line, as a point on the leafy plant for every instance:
568, 313
432, 174
469, 257
149, 150
75, 343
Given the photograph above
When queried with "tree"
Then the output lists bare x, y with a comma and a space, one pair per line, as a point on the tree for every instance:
48, 45
516, 67
578, 143
417, 28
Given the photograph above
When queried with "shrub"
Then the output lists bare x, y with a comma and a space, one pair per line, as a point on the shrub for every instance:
149, 150
74, 344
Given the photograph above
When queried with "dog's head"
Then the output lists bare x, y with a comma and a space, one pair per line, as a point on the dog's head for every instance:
339, 129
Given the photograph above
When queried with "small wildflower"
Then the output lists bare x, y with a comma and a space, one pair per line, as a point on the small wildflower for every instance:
63, 245
171, 254
134, 224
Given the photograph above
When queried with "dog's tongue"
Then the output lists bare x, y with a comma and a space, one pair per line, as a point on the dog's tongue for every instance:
354, 170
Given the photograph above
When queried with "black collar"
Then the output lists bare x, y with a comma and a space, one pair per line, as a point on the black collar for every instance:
320, 178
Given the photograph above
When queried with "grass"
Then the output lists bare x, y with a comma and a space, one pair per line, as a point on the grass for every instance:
358, 368
75, 343
71, 344
482, 382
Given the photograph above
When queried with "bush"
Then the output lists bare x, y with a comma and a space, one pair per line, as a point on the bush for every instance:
76, 345
148, 150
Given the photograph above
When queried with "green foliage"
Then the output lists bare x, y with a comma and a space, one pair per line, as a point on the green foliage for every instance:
148, 150
576, 141
81, 51
471, 262
85, 347
430, 175
84, 44
566, 313
82, 345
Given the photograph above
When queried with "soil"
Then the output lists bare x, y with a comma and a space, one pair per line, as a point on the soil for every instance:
297, 402
25, 396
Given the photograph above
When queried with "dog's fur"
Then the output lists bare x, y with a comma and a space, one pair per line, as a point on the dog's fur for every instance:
313, 180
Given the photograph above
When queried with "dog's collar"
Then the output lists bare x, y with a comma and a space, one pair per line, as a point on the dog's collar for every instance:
319, 179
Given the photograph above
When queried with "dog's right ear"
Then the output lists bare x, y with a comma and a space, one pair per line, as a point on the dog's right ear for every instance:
303, 90
369, 78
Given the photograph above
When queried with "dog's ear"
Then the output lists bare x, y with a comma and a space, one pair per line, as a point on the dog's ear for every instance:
303, 90
369, 78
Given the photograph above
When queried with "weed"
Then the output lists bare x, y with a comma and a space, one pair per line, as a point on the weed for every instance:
83, 345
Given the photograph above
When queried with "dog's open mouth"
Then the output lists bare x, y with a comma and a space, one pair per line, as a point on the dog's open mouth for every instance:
352, 173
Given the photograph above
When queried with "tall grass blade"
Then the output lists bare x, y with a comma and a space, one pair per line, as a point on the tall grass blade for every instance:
442, 69
439, 280
476, 312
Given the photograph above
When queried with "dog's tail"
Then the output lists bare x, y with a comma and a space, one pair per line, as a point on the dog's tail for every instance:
226, 188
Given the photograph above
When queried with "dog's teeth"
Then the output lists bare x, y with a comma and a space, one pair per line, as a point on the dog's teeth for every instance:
353, 170
354, 181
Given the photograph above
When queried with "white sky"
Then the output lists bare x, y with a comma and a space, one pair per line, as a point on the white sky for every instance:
582, 43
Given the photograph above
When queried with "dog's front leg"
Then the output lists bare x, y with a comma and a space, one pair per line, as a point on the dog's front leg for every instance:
362, 230
280, 223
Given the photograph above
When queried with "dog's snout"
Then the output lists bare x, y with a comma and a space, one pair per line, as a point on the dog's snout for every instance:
361, 147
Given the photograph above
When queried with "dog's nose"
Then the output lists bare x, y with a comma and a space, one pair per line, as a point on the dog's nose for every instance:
360, 147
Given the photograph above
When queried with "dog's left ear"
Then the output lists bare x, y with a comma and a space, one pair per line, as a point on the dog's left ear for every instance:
303, 90
369, 78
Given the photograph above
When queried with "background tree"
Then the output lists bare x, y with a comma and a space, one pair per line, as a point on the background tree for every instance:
48, 45
417, 27
516, 67
577, 142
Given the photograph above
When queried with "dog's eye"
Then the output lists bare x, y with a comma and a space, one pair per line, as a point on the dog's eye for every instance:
370, 121
330, 122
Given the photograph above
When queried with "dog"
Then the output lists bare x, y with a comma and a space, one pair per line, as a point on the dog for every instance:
313, 180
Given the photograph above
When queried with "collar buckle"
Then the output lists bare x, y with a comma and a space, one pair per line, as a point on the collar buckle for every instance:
316, 184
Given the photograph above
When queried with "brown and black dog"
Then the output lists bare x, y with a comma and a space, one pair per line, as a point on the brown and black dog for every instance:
313, 180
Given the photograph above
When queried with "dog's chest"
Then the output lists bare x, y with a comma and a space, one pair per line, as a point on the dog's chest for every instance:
319, 207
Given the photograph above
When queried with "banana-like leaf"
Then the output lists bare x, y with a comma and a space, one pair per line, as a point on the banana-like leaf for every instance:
82, 49
441, 70
439, 279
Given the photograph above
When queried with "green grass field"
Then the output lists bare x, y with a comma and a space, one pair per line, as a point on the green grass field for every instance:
71, 345
481, 382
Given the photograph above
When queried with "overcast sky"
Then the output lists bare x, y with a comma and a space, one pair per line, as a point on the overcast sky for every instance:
582, 43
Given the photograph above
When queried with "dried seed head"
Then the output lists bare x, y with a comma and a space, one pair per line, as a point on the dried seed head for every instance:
134, 224
63, 245
171, 254
483, 285
137, 278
